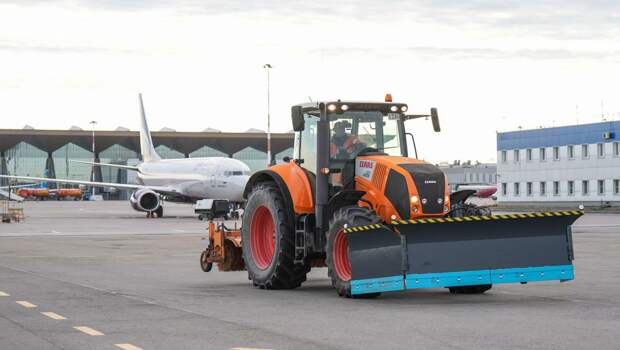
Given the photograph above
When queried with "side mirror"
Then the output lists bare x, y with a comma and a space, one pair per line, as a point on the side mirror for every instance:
435, 120
297, 116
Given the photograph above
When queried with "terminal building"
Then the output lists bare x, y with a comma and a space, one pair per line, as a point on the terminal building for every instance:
47, 153
468, 173
568, 165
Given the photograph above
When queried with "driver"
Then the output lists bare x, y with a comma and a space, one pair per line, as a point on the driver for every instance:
343, 145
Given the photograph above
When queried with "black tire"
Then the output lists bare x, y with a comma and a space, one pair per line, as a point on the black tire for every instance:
159, 212
280, 272
350, 216
204, 264
479, 289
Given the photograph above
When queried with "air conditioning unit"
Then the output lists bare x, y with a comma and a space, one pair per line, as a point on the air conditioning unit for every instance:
608, 135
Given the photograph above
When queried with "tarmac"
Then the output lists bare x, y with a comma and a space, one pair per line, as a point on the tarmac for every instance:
98, 275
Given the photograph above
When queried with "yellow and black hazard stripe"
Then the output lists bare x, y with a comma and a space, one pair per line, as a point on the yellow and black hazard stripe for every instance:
362, 228
468, 218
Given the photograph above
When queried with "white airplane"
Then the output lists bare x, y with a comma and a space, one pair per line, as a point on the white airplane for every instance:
183, 180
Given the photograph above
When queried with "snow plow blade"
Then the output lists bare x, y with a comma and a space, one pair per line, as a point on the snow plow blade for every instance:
452, 252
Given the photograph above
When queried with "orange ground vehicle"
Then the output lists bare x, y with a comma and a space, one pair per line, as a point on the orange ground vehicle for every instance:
34, 193
65, 193
382, 221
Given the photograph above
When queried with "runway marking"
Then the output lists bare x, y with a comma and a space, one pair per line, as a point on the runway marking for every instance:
53, 315
3, 294
127, 346
26, 304
88, 330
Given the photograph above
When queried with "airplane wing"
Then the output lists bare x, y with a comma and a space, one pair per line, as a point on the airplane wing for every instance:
16, 186
128, 167
127, 187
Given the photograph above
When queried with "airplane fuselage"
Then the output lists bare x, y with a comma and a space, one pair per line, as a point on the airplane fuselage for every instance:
198, 178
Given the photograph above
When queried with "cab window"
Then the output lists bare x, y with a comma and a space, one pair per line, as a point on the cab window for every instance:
305, 142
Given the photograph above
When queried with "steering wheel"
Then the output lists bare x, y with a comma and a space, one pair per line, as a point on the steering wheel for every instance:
365, 150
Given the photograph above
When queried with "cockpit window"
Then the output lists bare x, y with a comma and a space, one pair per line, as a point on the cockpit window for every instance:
236, 172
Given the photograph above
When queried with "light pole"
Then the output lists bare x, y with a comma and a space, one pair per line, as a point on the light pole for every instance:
93, 123
268, 68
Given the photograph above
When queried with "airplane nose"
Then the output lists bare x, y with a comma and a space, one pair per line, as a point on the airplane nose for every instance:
239, 185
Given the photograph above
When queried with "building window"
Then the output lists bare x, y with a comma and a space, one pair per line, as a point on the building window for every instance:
601, 187
584, 187
556, 188
616, 149
529, 154
600, 148
516, 155
529, 188
504, 157
571, 188
584, 151
516, 188
616, 186
504, 188
556, 153
571, 152
543, 154
543, 188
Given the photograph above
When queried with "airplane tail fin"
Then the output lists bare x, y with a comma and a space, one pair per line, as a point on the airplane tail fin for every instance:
146, 142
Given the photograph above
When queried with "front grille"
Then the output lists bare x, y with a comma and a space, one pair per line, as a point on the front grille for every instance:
430, 183
379, 176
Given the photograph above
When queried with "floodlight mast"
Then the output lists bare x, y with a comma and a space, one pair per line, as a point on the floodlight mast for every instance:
269, 160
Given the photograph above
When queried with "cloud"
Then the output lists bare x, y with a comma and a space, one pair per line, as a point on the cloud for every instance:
453, 53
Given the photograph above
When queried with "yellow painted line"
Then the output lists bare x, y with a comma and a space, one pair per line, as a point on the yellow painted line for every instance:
88, 330
127, 346
26, 304
53, 315
3, 294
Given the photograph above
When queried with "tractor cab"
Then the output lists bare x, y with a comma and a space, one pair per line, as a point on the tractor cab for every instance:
348, 129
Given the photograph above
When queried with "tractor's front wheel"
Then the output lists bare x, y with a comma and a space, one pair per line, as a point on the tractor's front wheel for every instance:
477, 289
268, 241
338, 264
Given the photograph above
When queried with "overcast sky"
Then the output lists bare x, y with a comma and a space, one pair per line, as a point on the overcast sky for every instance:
486, 65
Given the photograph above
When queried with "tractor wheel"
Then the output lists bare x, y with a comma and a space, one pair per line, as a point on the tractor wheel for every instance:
338, 265
268, 239
479, 289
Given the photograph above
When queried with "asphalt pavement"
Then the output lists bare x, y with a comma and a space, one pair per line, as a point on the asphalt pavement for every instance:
97, 275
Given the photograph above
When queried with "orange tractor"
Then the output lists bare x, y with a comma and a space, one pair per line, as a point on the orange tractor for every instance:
352, 200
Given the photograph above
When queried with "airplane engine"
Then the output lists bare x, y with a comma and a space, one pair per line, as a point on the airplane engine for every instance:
145, 200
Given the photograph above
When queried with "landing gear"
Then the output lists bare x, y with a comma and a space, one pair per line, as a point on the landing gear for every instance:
159, 212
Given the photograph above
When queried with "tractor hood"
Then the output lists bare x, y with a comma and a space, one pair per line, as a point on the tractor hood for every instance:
404, 187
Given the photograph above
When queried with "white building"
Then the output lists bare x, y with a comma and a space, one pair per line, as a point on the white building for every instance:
565, 165
467, 173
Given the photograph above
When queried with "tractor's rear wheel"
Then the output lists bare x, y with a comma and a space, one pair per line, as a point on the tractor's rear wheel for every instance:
268, 238
338, 265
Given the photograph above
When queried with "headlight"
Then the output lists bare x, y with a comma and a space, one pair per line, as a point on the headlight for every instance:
414, 199
403, 109
344, 107
331, 108
394, 108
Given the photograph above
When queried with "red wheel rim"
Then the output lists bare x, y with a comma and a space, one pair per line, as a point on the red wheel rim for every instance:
342, 265
262, 237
